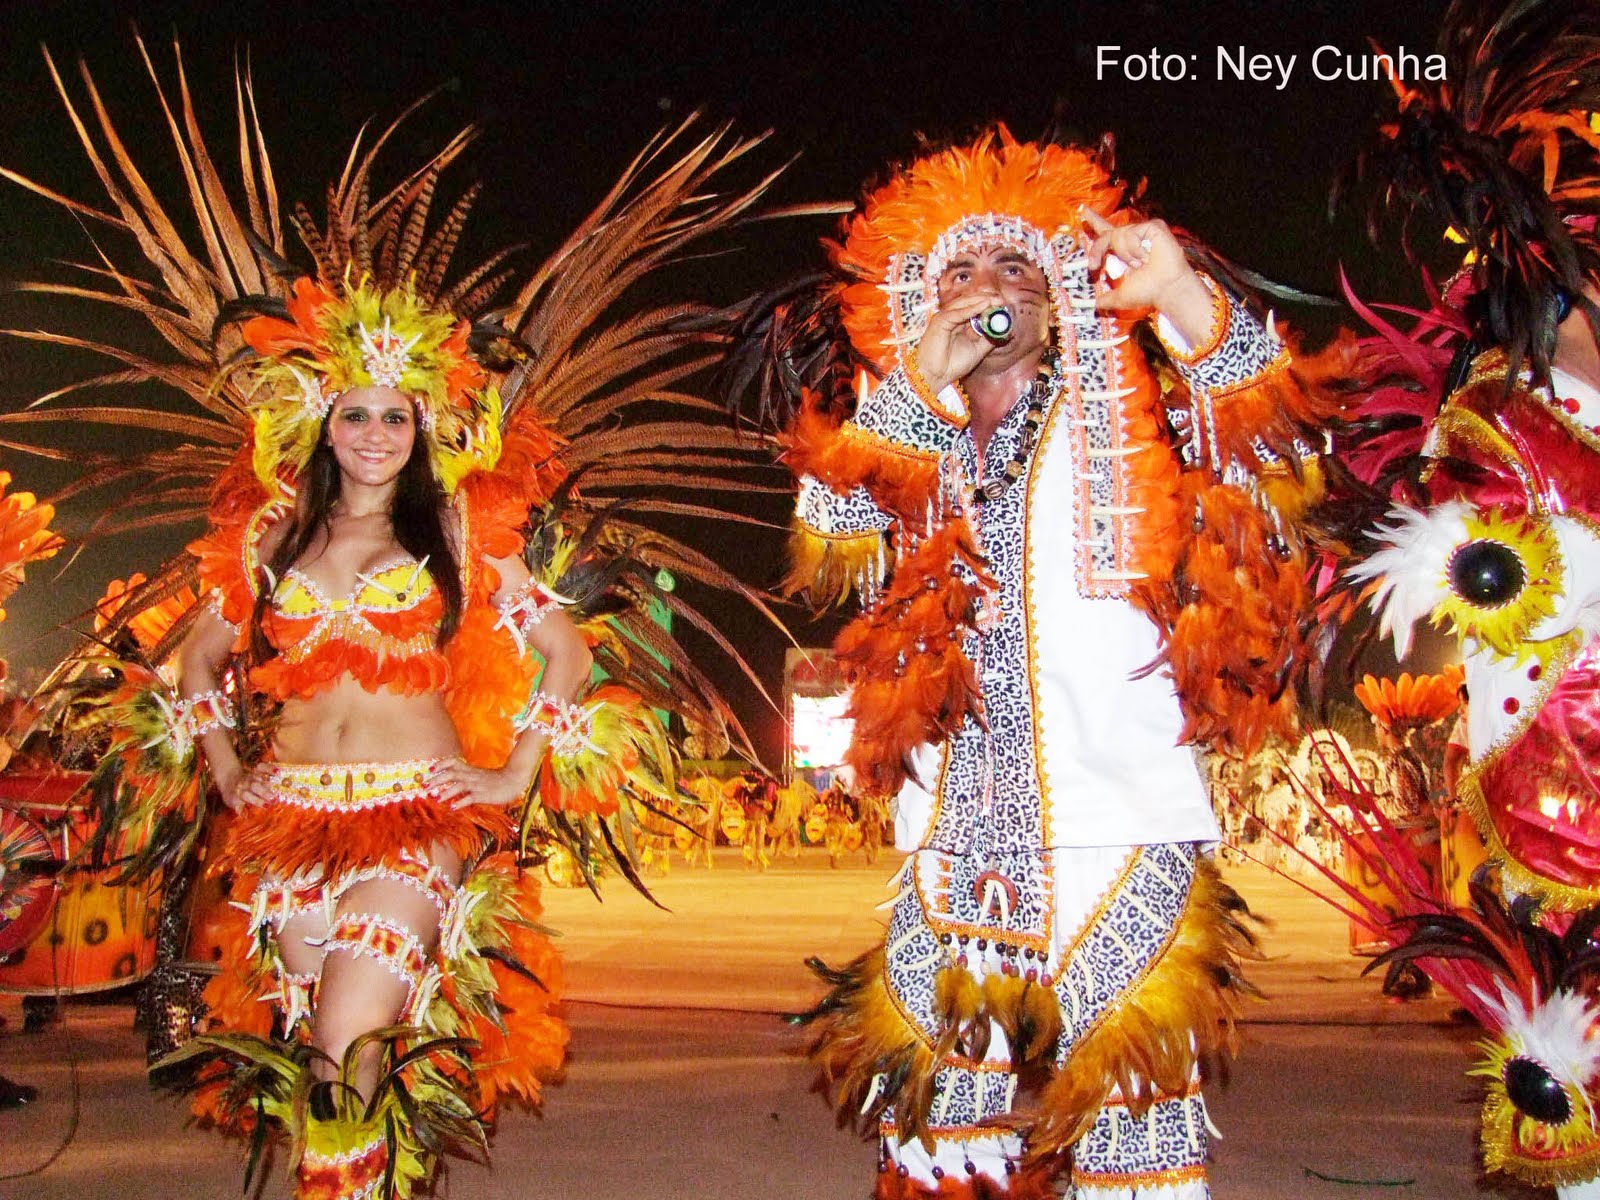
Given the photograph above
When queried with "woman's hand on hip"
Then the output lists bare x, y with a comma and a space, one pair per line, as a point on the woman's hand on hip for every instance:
463, 784
248, 788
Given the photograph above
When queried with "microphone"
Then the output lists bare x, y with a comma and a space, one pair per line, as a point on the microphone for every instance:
995, 323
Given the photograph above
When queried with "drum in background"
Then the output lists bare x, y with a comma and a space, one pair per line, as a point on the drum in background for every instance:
1462, 851
1424, 839
97, 936
29, 859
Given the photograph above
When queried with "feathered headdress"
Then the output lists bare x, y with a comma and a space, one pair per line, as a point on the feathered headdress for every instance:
996, 190
552, 381
813, 336
1504, 151
519, 404
342, 337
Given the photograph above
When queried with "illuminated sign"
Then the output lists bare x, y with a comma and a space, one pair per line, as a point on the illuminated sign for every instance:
819, 731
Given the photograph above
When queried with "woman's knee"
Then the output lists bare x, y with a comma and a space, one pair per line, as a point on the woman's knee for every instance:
355, 998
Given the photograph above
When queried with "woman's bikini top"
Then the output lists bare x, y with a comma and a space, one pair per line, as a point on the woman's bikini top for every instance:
382, 634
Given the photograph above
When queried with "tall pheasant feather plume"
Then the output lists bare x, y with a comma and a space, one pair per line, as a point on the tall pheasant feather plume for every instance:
611, 398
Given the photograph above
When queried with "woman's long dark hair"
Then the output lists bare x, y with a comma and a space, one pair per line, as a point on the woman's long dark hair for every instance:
416, 514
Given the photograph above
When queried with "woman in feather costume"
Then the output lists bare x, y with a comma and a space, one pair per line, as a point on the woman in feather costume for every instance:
399, 597
364, 597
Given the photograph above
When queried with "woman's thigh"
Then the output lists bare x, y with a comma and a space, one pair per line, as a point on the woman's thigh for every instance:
384, 932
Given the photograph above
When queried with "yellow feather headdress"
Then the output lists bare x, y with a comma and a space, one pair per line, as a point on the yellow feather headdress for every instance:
335, 340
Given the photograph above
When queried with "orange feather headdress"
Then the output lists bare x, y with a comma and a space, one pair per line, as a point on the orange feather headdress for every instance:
335, 339
995, 190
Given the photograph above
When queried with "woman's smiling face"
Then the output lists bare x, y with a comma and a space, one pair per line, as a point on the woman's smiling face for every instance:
372, 431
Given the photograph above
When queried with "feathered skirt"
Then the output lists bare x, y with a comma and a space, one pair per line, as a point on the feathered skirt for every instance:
494, 976
328, 819
1099, 978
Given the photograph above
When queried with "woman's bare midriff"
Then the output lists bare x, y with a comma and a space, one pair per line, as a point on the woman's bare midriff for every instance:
346, 723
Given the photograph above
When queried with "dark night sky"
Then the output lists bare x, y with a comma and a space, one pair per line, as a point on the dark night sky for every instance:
566, 93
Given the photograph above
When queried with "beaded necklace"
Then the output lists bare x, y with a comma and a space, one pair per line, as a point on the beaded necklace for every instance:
1039, 392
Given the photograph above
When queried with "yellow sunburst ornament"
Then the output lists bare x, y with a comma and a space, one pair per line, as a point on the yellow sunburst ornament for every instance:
1502, 581
1488, 576
1539, 1120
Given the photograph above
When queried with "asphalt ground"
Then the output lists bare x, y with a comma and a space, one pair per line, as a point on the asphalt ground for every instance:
683, 1083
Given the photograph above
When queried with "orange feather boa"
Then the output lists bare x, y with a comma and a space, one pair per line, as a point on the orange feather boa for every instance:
1227, 590
911, 680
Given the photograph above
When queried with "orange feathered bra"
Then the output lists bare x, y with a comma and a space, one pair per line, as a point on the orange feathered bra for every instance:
383, 634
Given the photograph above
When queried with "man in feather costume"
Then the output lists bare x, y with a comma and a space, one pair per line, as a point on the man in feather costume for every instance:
1074, 566
357, 883
1486, 418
